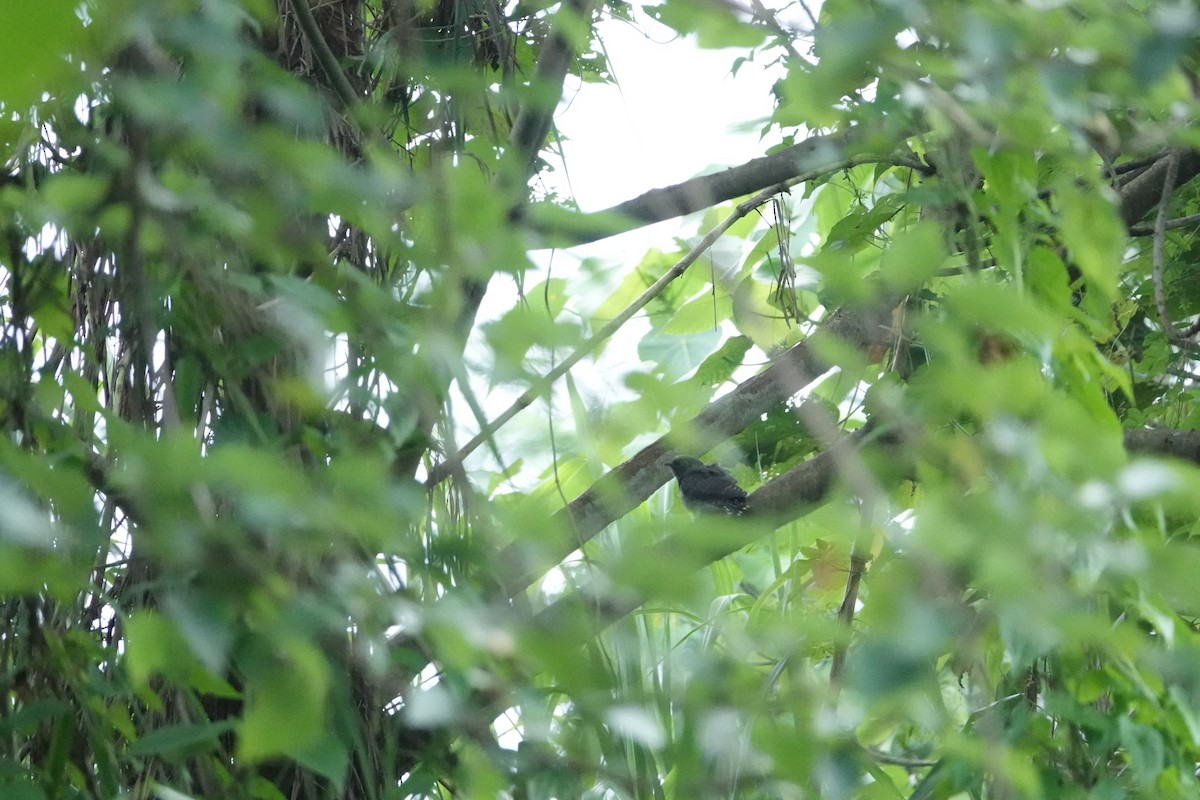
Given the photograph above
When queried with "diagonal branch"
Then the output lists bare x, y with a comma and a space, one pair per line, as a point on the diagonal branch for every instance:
845, 617
580, 612
536, 115
543, 385
628, 485
827, 152
790, 496
1181, 444
816, 155
1144, 192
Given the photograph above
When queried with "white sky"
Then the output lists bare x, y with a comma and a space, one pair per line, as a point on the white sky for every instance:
675, 112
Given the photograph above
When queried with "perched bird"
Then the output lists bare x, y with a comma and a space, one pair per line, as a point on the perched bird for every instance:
707, 487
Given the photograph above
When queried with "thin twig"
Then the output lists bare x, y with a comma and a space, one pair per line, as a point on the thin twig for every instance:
845, 616
900, 761
439, 472
1171, 224
1137, 164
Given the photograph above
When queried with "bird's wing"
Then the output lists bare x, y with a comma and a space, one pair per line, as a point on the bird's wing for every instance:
715, 482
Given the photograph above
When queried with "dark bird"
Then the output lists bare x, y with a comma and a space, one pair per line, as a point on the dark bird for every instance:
707, 487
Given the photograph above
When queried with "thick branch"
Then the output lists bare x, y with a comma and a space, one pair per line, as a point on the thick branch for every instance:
816, 155
1142, 193
1183, 444
783, 498
536, 115
630, 484
780, 500
325, 57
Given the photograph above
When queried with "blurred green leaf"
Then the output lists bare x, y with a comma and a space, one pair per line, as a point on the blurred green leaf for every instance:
176, 741
285, 705
35, 64
154, 647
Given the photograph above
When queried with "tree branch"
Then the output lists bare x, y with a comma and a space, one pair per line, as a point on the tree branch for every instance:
820, 154
1143, 193
1170, 225
1182, 444
1158, 257
529, 131
815, 156
845, 617
536, 115
787, 497
627, 486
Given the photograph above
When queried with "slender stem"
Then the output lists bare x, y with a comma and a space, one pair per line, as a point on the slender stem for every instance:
1178, 222
1157, 257
845, 615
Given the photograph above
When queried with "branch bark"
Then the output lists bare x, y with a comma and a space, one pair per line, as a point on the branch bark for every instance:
1182, 444
787, 497
328, 61
1142, 193
816, 155
630, 484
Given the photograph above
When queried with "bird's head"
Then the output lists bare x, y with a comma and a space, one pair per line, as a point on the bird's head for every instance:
683, 465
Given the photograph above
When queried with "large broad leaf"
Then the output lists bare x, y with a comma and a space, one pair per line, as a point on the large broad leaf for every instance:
713, 25
153, 647
913, 256
677, 355
285, 704
34, 42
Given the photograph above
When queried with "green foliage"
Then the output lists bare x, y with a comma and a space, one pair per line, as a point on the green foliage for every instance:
250, 278
33, 65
